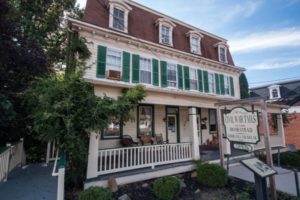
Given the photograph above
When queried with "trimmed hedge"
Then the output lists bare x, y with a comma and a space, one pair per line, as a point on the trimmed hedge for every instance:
95, 193
166, 188
211, 175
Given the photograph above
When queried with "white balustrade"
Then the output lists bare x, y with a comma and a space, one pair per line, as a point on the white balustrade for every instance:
10, 158
51, 151
129, 158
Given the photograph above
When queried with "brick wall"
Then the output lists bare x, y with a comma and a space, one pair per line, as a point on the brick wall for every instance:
292, 130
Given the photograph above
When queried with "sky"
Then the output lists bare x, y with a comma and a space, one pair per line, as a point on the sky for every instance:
263, 35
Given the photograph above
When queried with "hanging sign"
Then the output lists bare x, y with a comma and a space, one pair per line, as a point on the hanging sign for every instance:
244, 147
241, 126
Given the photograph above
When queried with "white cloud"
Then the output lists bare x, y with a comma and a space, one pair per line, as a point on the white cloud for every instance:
275, 64
288, 37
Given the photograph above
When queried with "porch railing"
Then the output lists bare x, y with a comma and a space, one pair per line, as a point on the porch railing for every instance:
129, 158
10, 158
51, 151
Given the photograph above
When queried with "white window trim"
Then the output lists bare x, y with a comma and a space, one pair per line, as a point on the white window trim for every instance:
118, 4
199, 36
227, 79
171, 87
274, 87
121, 53
191, 68
150, 71
168, 23
220, 45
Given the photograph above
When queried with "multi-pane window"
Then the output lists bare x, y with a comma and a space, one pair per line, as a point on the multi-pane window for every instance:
211, 82
212, 121
118, 19
222, 54
172, 75
227, 85
195, 44
145, 70
113, 129
145, 120
165, 34
275, 93
114, 60
193, 79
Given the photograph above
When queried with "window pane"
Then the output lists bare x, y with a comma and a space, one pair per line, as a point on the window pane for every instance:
114, 60
145, 70
212, 120
172, 75
165, 34
118, 19
227, 85
211, 82
222, 54
145, 120
275, 93
193, 79
113, 129
195, 44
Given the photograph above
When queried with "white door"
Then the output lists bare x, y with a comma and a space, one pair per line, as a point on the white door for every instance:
172, 128
199, 129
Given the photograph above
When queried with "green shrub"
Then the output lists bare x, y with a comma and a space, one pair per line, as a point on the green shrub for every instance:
96, 193
243, 196
211, 175
166, 188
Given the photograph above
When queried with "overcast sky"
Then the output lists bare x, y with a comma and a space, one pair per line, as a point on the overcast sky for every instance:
264, 35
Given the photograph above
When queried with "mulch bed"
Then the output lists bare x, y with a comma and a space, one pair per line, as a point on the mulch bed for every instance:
191, 191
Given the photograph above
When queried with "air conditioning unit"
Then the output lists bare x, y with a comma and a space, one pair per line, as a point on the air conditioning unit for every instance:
113, 75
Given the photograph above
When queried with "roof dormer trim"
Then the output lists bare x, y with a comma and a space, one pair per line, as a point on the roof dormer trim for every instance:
194, 33
165, 21
119, 3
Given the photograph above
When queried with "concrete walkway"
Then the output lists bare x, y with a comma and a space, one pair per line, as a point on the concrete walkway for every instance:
34, 182
285, 179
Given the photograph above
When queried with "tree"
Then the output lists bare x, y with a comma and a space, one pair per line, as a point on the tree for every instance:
67, 110
244, 87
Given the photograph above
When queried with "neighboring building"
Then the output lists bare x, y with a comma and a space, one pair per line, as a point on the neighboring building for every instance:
185, 71
287, 93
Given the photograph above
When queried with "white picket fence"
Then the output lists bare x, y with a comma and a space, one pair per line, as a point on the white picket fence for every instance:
129, 158
11, 158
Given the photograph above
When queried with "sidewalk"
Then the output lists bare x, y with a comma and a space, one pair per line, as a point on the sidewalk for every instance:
34, 182
285, 179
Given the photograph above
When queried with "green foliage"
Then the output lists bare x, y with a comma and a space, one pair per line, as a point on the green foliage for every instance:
67, 110
243, 196
96, 193
288, 159
211, 175
285, 196
6, 110
244, 86
166, 188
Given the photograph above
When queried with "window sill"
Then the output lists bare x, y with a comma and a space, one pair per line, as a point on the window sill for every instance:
119, 30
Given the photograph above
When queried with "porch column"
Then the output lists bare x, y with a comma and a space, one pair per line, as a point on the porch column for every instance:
281, 128
92, 167
194, 133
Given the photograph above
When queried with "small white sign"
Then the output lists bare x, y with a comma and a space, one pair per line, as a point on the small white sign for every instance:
241, 126
245, 147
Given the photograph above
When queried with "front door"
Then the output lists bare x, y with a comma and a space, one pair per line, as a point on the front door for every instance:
172, 128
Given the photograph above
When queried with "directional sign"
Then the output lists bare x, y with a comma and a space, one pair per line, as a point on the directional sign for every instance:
241, 126
245, 147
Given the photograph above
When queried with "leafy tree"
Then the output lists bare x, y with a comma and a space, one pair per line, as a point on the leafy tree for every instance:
67, 110
244, 87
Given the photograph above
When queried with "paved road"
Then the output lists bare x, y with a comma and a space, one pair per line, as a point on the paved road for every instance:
31, 183
285, 180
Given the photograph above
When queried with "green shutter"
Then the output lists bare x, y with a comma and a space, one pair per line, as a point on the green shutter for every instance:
126, 67
180, 77
231, 87
222, 84
155, 75
135, 68
163, 74
101, 61
205, 79
186, 72
217, 83
200, 83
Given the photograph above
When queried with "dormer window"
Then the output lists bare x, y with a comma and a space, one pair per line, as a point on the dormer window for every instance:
165, 31
195, 41
118, 15
274, 91
222, 51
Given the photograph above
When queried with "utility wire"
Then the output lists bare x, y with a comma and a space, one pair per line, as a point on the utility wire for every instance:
275, 80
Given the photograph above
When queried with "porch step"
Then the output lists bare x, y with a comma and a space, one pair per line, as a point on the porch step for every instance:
141, 174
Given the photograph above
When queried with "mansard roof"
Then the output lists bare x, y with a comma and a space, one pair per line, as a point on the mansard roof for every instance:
142, 24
